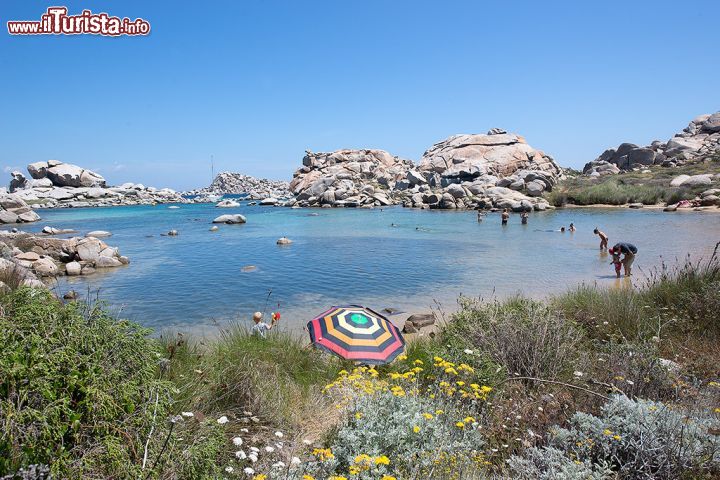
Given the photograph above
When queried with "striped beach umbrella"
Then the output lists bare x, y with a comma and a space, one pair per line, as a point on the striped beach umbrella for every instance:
356, 333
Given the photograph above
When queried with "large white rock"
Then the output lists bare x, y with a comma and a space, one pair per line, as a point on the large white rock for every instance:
230, 219
72, 269
68, 175
45, 267
679, 180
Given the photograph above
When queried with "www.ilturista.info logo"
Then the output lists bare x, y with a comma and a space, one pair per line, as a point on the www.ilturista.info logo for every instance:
57, 22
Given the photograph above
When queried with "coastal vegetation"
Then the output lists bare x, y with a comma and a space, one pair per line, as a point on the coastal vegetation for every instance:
594, 383
650, 186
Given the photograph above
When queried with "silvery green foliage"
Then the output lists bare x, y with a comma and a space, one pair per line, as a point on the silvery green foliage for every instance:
639, 440
549, 463
382, 424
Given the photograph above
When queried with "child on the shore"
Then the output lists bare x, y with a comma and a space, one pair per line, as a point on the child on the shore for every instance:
616, 261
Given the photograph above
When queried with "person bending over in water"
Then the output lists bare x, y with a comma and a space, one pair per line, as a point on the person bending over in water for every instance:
629, 251
603, 238
562, 229
616, 262
572, 227
480, 216
505, 216
524, 218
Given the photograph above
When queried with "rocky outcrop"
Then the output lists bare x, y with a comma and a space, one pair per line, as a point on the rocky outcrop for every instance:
13, 209
237, 183
65, 174
50, 257
463, 171
698, 141
350, 178
494, 170
57, 184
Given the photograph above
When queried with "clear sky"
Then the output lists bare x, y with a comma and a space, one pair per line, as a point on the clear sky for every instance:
255, 83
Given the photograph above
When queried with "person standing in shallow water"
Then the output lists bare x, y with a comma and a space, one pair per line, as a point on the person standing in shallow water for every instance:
572, 227
603, 238
524, 218
505, 216
629, 251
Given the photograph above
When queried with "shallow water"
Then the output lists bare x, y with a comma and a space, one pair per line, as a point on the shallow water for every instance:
340, 256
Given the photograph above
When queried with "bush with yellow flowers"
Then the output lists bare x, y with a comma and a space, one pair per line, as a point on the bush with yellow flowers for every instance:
400, 424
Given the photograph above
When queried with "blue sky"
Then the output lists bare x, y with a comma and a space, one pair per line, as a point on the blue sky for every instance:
256, 83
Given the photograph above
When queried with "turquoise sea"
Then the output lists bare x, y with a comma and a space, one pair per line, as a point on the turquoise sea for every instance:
409, 260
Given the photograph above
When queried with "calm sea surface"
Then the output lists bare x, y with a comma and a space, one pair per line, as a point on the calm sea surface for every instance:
196, 280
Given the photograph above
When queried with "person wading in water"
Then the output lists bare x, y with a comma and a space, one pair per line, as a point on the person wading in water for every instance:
603, 238
629, 251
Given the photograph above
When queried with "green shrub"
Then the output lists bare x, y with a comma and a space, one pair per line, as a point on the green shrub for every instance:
76, 386
523, 336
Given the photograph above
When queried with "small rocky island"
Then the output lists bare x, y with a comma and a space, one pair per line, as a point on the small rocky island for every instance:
237, 183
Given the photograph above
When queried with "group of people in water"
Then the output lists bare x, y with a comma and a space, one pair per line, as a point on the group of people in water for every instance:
623, 253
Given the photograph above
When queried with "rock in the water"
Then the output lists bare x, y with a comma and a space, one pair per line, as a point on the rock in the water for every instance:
228, 203
72, 269
107, 262
230, 219
284, 241
98, 234
248, 268
214, 228
70, 295
13, 209
173, 233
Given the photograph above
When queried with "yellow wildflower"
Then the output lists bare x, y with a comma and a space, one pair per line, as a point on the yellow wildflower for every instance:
308, 477
460, 384
260, 476
353, 470
323, 454
382, 460
439, 412
402, 357
388, 477
460, 425
416, 429
418, 362
717, 410
616, 437
337, 477
469, 420
358, 415
714, 384
428, 416
607, 432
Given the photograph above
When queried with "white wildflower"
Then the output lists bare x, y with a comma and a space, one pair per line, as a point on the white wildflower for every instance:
269, 449
295, 461
278, 465
307, 442
248, 471
229, 469
187, 414
253, 457
254, 449
222, 420
240, 455
244, 430
237, 441
279, 434
578, 373
630, 382
468, 351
